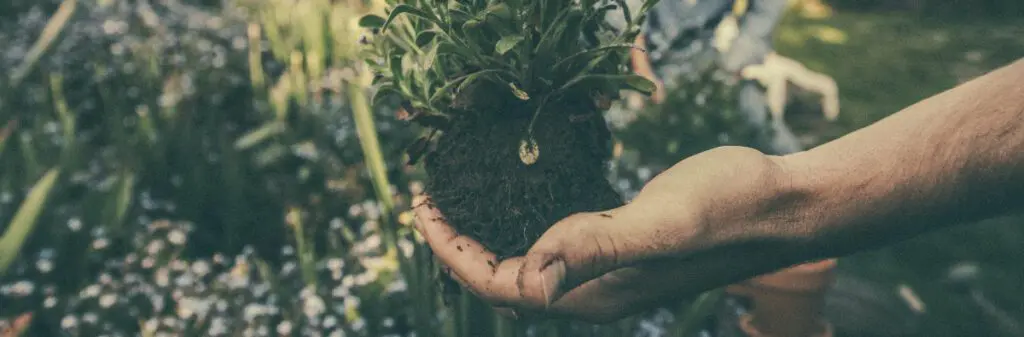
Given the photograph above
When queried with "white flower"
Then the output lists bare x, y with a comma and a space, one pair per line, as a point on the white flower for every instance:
201, 268
397, 286
284, 328
75, 224
330, 322
107, 300
91, 291
154, 247
217, 327
252, 311
68, 322
335, 264
314, 306
340, 291
351, 303
90, 317
151, 325
100, 243
358, 324
176, 237
163, 277
22, 288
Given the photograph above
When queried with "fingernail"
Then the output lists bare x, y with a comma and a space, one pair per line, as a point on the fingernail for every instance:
418, 201
551, 279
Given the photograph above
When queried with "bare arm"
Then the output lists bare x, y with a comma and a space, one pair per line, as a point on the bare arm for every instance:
952, 158
732, 213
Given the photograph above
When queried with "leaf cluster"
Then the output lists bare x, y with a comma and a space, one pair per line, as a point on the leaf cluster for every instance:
448, 58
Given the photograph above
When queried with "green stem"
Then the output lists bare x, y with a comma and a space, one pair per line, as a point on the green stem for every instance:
50, 32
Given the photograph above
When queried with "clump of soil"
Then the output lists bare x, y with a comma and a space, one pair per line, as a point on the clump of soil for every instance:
485, 191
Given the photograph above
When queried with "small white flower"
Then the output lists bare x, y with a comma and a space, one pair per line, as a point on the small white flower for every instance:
351, 303
22, 288
358, 324
397, 286
217, 327
68, 322
91, 291
330, 322
106, 279
90, 317
314, 306
284, 328
252, 311
340, 291
201, 268
151, 325
107, 300
74, 224
163, 277
154, 247
100, 243
50, 302
176, 237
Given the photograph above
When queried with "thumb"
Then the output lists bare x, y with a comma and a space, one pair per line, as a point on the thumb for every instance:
583, 247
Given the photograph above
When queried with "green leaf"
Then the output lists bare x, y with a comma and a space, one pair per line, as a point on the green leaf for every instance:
260, 135
123, 200
425, 37
395, 64
5, 133
499, 10
371, 21
385, 90
596, 52
403, 9
522, 95
648, 5
462, 83
507, 43
25, 219
491, 74
630, 81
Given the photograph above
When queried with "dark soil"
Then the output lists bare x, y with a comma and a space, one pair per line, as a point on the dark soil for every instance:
486, 192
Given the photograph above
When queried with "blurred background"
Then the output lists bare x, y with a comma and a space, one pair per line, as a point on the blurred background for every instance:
208, 167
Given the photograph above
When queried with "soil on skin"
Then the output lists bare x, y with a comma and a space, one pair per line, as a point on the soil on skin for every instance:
486, 192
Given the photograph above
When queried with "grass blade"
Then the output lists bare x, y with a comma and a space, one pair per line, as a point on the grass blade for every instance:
46, 39
25, 219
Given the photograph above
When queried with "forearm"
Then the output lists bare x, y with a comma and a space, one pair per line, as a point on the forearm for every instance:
952, 158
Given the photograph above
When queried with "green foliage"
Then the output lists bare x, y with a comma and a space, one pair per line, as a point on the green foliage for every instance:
436, 55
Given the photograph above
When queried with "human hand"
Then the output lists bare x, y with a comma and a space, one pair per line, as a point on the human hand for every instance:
711, 220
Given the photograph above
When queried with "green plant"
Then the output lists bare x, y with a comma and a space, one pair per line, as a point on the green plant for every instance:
510, 94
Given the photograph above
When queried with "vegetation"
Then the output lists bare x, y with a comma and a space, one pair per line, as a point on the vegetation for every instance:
511, 95
178, 169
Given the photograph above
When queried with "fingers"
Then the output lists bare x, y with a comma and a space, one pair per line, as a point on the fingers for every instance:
477, 268
575, 270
